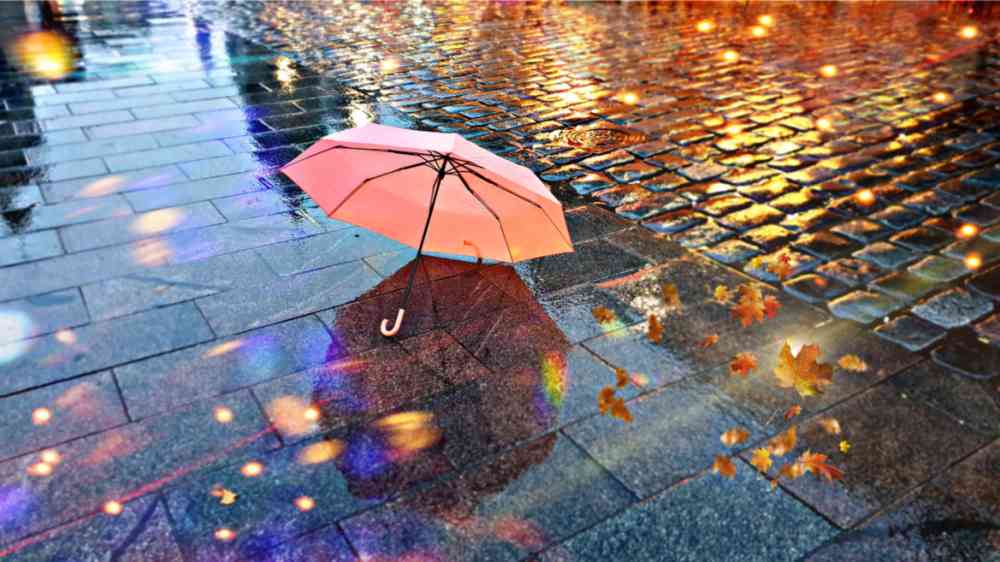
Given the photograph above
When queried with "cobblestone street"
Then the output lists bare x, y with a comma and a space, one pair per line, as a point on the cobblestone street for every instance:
190, 362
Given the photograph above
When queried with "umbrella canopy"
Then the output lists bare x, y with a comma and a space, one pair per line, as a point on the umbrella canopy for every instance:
433, 191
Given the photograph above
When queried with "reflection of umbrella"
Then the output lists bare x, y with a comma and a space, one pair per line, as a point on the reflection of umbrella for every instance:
506, 386
432, 191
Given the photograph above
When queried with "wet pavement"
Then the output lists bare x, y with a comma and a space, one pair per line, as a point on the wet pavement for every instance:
190, 363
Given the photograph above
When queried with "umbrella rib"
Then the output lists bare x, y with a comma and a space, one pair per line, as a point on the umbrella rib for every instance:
488, 209
366, 180
525, 199
334, 147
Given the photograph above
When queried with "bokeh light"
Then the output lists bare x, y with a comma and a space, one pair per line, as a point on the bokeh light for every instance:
766, 19
705, 26
112, 508
321, 452
967, 231
66, 337
223, 414
51, 456
408, 432
758, 31
41, 416
941, 97
44, 54
824, 124
290, 415
631, 98
730, 55
828, 70
156, 222
224, 534
968, 32
865, 197
389, 64
305, 503
973, 261
252, 469
40, 469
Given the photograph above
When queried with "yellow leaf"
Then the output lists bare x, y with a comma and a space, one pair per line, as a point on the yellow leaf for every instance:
792, 412
724, 465
802, 371
783, 443
761, 460
655, 332
844, 447
721, 294
830, 425
734, 436
852, 363
782, 267
603, 315
670, 296
226, 497
791, 470
750, 306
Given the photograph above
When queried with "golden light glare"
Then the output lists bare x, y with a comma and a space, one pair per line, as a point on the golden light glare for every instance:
758, 31
305, 503
40, 469
223, 348
223, 414
730, 56
41, 416
828, 70
967, 231
285, 75
705, 26
102, 186
224, 534
152, 253
252, 469
865, 197
824, 124
283, 62
388, 65
45, 54
630, 98
968, 32
51, 457
321, 452
66, 337
289, 414
112, 508
941, 97
766, 19
973, 261
311, 413
157, 221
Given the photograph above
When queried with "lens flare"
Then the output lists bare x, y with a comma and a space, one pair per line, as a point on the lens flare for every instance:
224, 535
828, 70
973, 261
45, 54
252, 469
967, 231
941, 97
705, 26
41, 416
968, 32
112, 508
305, 503
766, 19
223, 414
730, 56
865, 197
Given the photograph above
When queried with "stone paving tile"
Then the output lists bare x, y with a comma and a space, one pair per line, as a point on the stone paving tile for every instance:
967, 352
911, 332
42, 314
705, 518
29, 247
968, 401
557, 272
131, 461
185, 191
69, 213
141, 532
146, 178
142, 126
180, 154
970, 482
954, 308
316, 252
548, 487
145, 225
161, 383
81, 150
100, 345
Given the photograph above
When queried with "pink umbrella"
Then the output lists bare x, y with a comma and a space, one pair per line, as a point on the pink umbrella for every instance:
432, 191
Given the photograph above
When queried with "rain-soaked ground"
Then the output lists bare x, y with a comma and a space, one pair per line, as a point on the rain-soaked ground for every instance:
190, 364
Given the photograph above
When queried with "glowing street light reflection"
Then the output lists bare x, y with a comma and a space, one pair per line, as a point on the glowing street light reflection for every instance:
112, 508
968, 32
252, 469
631, 98
865, 197
941, 97
223, 414
828, 70
41, 416
40, 469
967, 231
973, 261
766, 19
705, 26
758, 31
824, 124
730, 56
51, 457
224, 534
305, 503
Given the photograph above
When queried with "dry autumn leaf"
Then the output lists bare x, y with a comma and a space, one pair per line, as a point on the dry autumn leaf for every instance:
709, 341
750, 306
852, 363
226, 497
671, 297
734, 436
604, 399
782, 444
771, 306
791, 470
621, 378
724, 465
782, 267
816, 463
802, 371
761, 460
721, 294
655, 332
830, 425
742, 364
792, 412
620, 410
603, 315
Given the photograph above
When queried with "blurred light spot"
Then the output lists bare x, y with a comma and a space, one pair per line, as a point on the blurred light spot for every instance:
865, 197
630, 98
252, 469
705, 26
824, 124
288, 413
40, 469
223, 414
730, 56
312, 413
967, 230
152, 253
112, 508
359, 116
224, 534
321, 452
305, 503
102, 186
766, 19
66, 337
941, 97
15, 327
828, 70
51, 456
758, 31
969, 32
286, 75
973, 261
554, 382
223, 348
409, 431
156, 222
41, 416
45, 54
283, 62
389, 64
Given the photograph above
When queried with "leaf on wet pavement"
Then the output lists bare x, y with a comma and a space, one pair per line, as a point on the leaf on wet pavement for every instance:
792, 412
671, 297
709, 341
830, 425
761, 460
783, 443
844, 446
816, 463
721, 294
771, 306
603, 315
782, 266
724, 465
604, 399
742, 364
621, 378
734, 436
802, 371
852, 363
226, 497
750, 305
655, 330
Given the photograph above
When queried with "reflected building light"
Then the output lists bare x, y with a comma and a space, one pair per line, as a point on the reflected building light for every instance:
223, 414
44, 54
41, 416
112, 508
252, 469
51, 456
311, 413
156, 222
321, 452
223, 348
66, 336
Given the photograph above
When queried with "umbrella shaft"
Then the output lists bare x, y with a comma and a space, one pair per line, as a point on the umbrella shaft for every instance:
423, 236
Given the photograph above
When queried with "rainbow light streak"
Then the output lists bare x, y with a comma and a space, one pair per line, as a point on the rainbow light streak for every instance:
554, 379
15, 328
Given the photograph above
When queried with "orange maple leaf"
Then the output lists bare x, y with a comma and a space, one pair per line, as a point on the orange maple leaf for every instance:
604, 399
761, 460
750, 306
791, 470
671, 297
734, 436
709, 341
783, 443
782, 267
621, 378
816, 463
742, 364
792, 412
724, 465
852, 363
771, 306
620, 410
603, 315
655, 331
802, 371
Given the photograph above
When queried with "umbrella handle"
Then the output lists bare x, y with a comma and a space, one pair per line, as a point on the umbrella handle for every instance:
395, 327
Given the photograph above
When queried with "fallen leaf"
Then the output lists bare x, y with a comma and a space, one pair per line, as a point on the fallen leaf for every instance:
816, 463
620, 411
782, 444
782, 267
792, 412
721, 294
844, 446
709, 341
671, 298
724, 465
791, 470
830, 425
742, 364
802, 371
621, 378
226, 497
655, 332
761, 460
750, 306
603, 315
771, 306
852, 363
604, 399
734, 436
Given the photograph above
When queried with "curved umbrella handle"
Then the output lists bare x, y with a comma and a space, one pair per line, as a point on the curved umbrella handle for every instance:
395, 327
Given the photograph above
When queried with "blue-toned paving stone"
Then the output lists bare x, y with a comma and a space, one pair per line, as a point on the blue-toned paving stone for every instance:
954, 308
886, 256
904, 286
863, 231
911, 332
733, 252
864, 307
815, 289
